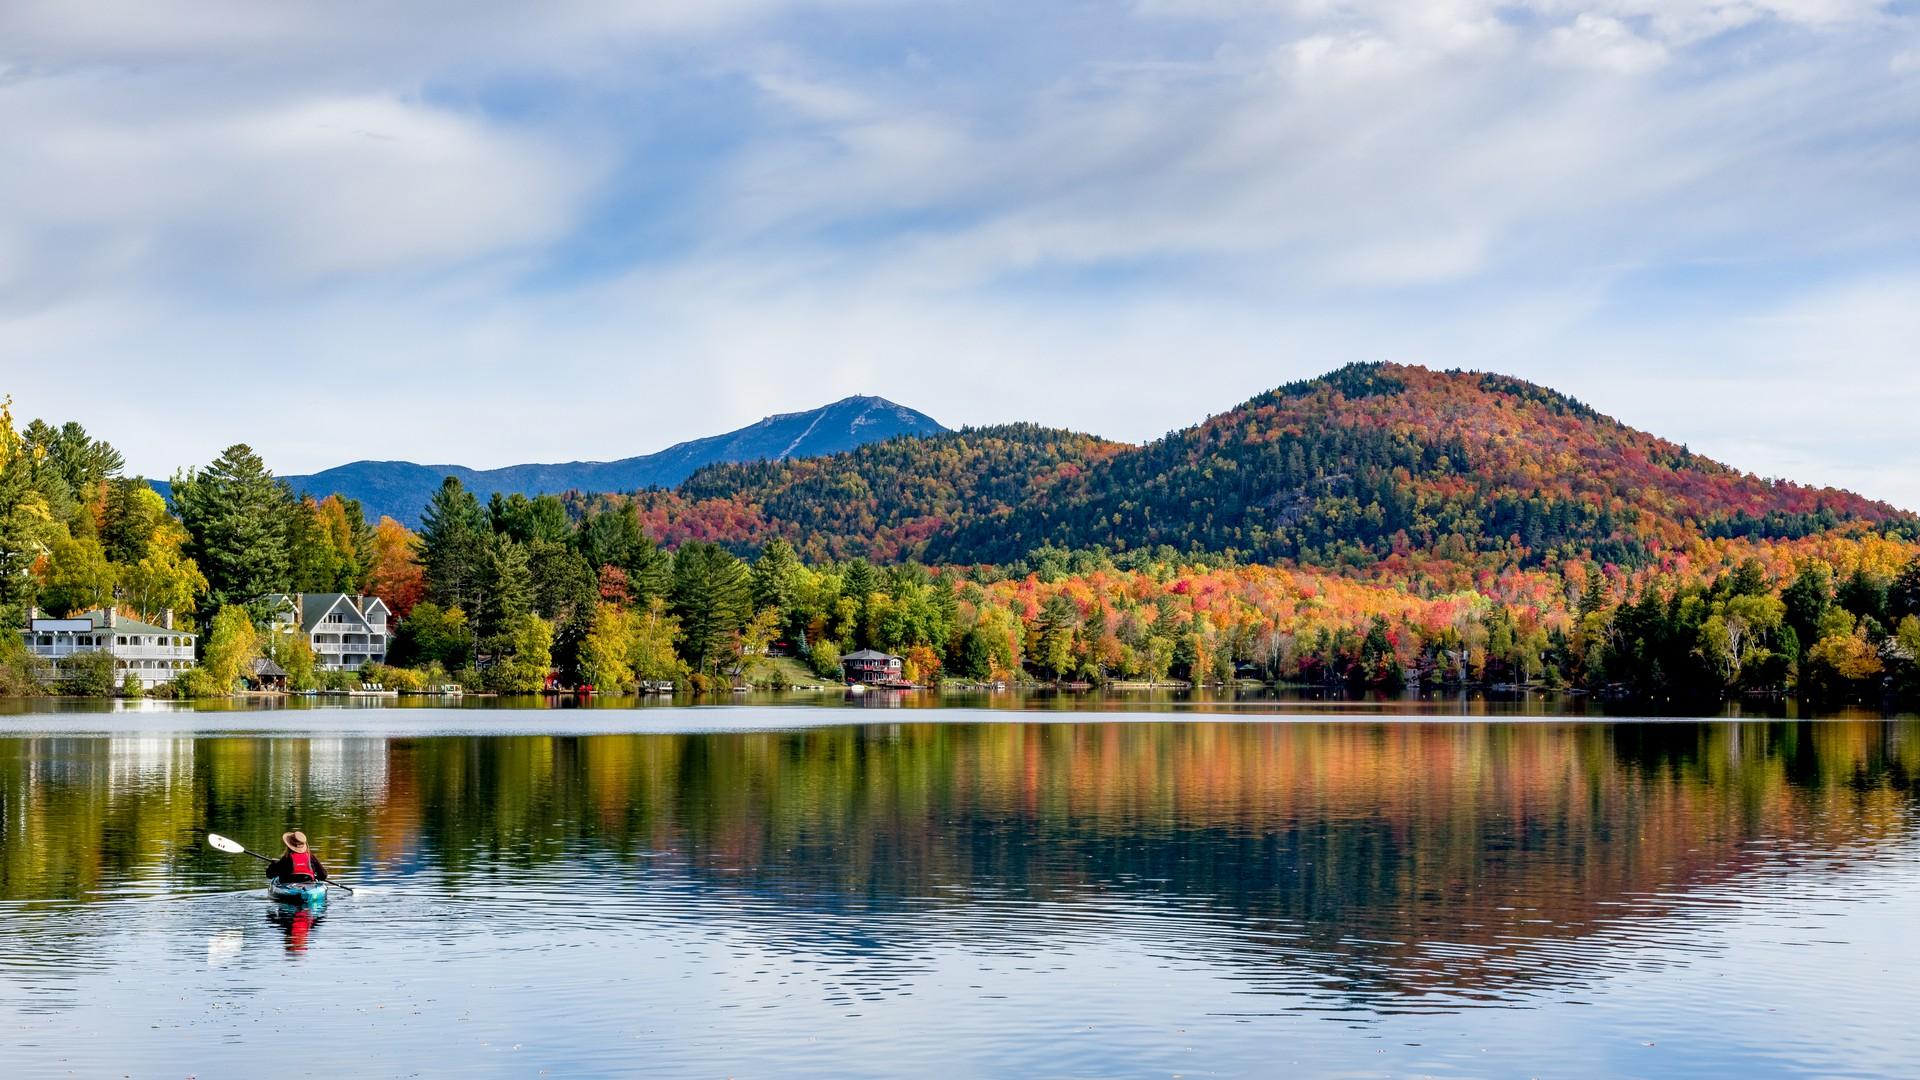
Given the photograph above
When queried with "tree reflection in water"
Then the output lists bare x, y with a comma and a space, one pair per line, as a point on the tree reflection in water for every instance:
1401, 862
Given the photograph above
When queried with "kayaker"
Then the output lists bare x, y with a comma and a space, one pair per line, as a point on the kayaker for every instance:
298, 864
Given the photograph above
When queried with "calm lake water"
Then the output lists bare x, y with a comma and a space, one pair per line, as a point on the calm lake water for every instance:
757, 891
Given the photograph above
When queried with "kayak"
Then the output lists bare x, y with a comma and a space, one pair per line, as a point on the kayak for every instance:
298, 893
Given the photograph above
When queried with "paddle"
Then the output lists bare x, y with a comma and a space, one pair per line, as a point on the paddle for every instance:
234, 847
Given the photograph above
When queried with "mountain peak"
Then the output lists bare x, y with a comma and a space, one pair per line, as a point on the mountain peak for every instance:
400, 489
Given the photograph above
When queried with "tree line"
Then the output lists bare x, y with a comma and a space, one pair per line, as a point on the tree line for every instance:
514, 593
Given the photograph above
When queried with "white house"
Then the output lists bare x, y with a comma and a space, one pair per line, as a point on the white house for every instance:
153, 653
344, 630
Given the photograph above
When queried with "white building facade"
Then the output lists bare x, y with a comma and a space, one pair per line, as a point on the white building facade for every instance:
154, 654
345, 631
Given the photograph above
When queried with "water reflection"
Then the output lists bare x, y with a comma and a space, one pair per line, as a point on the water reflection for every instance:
1225, 701
1359, 870
296, 923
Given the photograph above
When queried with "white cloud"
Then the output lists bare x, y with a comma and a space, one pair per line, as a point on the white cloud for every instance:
288, 191
341, 36
1605, 43
988, 216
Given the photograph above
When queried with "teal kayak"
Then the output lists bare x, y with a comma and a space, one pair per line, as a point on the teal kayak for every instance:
299, 893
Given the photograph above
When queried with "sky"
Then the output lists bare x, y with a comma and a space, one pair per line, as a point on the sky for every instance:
491, 232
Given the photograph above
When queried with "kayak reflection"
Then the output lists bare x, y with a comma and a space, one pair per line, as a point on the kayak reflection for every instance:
298, 923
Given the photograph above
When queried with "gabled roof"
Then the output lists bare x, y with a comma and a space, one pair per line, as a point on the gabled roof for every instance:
316, 606
868, 654
312, 608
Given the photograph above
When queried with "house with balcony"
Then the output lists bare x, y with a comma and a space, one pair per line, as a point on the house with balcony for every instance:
344, 630
153, 654
871, 668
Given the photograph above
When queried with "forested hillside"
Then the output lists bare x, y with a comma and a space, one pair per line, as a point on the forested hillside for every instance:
509, 593
1370, 464
885, 501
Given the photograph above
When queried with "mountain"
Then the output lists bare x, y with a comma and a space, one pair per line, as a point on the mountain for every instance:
883, 500
1365, 464
400, 489
1375, 459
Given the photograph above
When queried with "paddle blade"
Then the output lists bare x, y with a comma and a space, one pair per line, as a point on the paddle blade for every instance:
225, 844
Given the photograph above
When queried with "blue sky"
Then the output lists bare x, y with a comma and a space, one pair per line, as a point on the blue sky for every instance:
493, 232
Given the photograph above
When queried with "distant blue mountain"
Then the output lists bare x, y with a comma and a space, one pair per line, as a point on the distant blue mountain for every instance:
400, 489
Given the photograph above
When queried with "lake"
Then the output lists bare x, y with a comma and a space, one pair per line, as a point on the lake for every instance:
832, 891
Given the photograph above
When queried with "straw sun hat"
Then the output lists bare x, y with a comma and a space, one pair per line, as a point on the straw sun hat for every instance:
295, 840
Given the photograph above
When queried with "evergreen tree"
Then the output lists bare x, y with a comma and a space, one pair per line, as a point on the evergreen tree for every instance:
312, 564
609, 538
976, 655
234, 512
1903, 596
133, 511
1808, 599
1059, 621
454, 537
562, 580
542, 518
649, 571
1865, 595
858, 580
1750, 579
776, 582
508, 592
1595, 597
711, 597
82, 462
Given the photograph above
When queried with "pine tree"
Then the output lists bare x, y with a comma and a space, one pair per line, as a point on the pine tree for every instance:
858, 580
712, 594
1808, 599
454, 535
133, 510
235, 515
776, 577
609, 538
311, 562
562, 580
1059, 619
1595, 598
649, 570
508, 594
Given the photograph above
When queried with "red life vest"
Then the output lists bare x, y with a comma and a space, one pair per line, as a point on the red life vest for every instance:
302, 863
